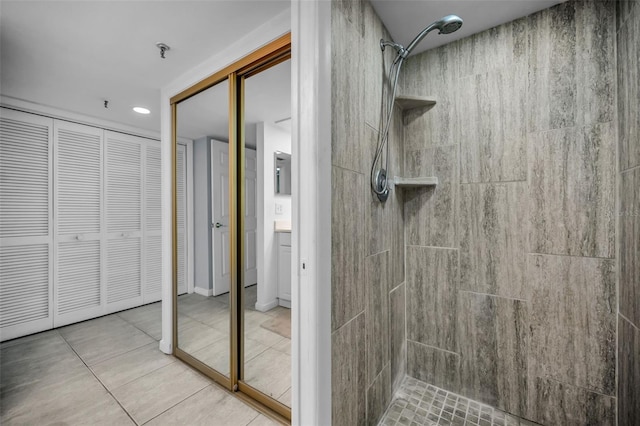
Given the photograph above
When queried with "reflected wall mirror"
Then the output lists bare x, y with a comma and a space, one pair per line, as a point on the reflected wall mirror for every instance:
234, 325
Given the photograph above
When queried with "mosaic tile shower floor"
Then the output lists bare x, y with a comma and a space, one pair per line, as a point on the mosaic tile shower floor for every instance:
419, 403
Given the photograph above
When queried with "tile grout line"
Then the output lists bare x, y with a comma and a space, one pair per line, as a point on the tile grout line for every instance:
179, 402
99, 381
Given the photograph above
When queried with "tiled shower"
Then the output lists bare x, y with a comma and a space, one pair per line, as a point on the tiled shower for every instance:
516, 281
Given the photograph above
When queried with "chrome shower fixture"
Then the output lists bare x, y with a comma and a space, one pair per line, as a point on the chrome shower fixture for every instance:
379, 180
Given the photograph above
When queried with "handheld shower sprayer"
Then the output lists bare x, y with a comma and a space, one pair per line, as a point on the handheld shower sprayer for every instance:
445, 25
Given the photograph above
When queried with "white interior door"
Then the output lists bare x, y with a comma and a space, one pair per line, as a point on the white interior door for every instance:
78, 222
26, 225
124, 221
152, 224
220, 216
251, 218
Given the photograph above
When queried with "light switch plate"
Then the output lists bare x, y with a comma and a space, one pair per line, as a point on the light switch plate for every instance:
278, 208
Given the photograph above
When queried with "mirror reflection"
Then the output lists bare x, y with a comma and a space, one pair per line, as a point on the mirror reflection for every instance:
203, 309
267, 314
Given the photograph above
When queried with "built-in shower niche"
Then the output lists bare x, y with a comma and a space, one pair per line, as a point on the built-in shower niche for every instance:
411, 103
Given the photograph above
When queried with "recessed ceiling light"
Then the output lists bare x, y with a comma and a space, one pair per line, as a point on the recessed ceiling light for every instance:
141, 110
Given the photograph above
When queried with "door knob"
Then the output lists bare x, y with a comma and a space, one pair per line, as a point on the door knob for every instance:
218, 225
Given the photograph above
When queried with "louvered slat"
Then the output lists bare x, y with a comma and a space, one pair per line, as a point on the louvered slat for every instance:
24, 179
78, 182
123, 269
78, 284
181, 192
24, 284
153, 189
153, 262
123, 185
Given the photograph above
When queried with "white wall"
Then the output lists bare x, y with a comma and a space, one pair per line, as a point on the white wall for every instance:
270, 138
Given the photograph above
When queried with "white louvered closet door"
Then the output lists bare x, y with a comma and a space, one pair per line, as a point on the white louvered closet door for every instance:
123, 186
152, 223
26, 243
78, 184
181, 192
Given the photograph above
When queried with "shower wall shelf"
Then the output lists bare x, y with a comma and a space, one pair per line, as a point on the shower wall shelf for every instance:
409, 102
419, 182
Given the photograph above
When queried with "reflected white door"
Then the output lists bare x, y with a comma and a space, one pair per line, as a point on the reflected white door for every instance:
220, 209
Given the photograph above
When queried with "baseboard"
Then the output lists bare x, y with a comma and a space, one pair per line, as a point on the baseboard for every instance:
165, 347
264, 307
285, 303
203, 292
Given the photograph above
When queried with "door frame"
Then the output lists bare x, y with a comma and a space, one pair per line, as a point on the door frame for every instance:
271, 54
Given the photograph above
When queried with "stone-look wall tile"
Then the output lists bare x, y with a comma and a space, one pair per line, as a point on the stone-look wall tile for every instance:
624, 10
377, 309
555, 403
378, 221
496, 48
629, 85
353, 11
379, 396
437, 367
430, 214
431, 74
348, 145
397, 238
492, 126
347, 246
398, 338
573, 320
629, 286
572, 191
628, 373
348, 374
493, 342
493, 238
432, 283
571, 63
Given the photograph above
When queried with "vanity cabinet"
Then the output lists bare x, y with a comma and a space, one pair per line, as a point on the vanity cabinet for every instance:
284, 269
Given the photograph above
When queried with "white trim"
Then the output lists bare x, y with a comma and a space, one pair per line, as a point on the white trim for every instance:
202, 291
87, 120
311, 237
284, 303
190, 246
264, 307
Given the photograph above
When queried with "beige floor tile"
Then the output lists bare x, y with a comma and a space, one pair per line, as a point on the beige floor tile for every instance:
26, 339
211, 406
150, 395
103, 338
129, 366
147, 318
196, 336
269, 372
284, 346
264, 336
263, 420
285, 398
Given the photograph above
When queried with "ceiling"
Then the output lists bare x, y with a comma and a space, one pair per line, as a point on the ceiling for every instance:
267, 98
406, 18
73, 55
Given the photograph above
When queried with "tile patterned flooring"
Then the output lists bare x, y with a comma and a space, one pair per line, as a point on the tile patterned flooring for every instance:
109, 371
419, 403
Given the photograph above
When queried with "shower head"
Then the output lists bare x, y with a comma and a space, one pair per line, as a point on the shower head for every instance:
446, 25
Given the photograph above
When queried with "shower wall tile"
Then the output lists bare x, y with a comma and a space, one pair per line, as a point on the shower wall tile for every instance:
348, 373
397, 238
492, 126
493, 342
353, 11
629, 217
628, 373
573, 320
434, 366
378, 222
556, 403
497, 48
571, 63
398, 338
347, 95
379, 396
377, 310
629, 85
431, 213
347, 246
432, 283
493, 238
572, 191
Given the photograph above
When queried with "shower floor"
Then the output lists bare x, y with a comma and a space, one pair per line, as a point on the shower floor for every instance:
419, 403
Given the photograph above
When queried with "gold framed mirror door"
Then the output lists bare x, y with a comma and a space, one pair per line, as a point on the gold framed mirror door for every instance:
201, 337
